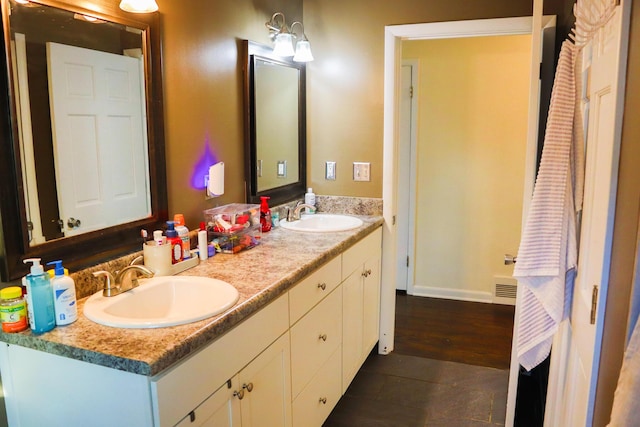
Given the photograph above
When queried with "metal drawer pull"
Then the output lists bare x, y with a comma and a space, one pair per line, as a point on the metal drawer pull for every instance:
322, 286
239, 394
323, 337
248, 387
323, 400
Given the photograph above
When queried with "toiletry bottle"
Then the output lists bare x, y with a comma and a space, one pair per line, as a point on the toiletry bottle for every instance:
39, 298
64, 295
265, 214
175, 242
202, 242
183, 233
158, 237
310, 199
13, 310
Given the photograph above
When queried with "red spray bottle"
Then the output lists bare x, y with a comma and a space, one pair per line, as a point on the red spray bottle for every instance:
265, 214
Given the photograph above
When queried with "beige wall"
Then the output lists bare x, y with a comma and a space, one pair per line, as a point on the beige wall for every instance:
345, 83
204, 93
203, 84
472, 132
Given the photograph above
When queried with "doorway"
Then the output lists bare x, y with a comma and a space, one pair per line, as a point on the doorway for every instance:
463, 148
394, 36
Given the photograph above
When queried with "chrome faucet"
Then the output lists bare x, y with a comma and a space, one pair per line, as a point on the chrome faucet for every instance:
124, 280
294, 215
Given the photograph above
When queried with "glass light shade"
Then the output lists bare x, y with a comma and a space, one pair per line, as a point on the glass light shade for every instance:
283, 45
303, 51
139, 6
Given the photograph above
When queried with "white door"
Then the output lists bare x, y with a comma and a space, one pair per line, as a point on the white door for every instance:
406, 156
602, 73
99, 137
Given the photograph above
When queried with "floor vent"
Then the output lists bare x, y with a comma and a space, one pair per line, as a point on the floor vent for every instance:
504, 291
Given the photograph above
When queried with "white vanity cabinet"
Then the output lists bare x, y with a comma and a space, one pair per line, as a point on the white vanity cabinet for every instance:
361, 303
286, 365
257, 396
254, 355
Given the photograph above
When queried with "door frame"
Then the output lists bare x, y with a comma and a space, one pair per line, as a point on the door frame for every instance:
407, 179
392, 79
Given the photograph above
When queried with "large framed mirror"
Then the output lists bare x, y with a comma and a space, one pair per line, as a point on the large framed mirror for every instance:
275, 125
83, 163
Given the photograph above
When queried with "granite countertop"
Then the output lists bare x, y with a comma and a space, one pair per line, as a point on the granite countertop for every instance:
260, 274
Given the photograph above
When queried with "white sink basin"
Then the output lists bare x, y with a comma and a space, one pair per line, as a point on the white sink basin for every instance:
162, 301
322, 223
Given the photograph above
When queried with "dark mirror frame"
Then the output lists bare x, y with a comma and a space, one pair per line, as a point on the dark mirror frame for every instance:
91, 248
251, 52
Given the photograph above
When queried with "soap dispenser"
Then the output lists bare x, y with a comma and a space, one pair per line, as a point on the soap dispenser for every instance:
175, 242
64, 295
40, 303
310, 199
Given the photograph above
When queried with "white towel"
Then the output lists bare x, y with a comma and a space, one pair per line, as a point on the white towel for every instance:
547, 255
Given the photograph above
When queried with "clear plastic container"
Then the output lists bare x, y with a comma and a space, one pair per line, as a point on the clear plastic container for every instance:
233, 228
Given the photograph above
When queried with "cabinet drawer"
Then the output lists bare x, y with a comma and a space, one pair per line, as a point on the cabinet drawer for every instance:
314, 404
313, 289
314, 339
366, 248
179, 390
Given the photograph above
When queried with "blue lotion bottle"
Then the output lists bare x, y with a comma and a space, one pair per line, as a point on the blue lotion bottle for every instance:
40, 303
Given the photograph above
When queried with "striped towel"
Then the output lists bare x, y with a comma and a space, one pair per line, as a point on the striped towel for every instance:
547, 256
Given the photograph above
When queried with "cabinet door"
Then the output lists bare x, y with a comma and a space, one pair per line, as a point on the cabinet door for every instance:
266, 383
352, 326
371, 305
221, 409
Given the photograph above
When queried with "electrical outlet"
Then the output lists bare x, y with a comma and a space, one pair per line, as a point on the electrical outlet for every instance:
330, 171
361, 171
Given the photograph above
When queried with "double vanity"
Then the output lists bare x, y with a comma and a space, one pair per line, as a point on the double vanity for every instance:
306, 317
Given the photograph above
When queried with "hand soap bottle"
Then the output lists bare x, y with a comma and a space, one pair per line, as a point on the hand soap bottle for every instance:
310, 199
39, 298
265, 214
64, 295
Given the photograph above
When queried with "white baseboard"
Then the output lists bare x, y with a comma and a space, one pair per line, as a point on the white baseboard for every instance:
455, 294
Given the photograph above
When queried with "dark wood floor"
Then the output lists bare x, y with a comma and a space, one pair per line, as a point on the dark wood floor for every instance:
458, 331
449, 368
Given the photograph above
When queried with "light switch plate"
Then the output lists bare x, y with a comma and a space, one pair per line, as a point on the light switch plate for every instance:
330, 171
361, 171
282, 169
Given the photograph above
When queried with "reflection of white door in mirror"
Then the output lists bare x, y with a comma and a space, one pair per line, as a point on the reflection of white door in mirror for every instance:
23, 109
99, 135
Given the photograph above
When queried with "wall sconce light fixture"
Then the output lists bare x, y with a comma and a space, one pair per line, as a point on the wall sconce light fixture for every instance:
283, 39
139, 6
